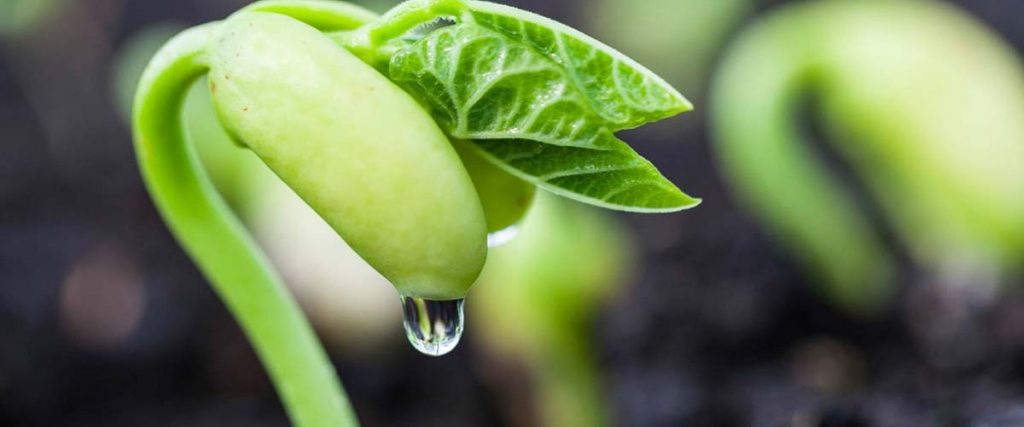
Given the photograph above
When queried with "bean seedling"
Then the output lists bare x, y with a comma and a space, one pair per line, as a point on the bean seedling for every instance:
413, 135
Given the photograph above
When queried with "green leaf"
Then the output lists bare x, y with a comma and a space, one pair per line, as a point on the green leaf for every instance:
621, 91
543, 104
614, 179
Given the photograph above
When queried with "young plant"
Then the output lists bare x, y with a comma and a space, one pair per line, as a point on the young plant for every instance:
924, 103
365, 118
20, 17
537, 301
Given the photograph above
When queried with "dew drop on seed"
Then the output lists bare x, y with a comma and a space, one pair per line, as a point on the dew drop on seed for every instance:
432, 327
502, 236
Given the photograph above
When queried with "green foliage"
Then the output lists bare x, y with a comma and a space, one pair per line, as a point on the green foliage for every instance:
310, 88
543, 102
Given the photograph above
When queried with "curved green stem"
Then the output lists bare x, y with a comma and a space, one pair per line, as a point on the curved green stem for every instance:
224, 251
934, 136
369, 43
410, 14
327, 16
766, 156
569, 388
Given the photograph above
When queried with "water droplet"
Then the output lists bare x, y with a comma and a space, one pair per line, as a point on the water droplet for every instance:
433, 327
502, 236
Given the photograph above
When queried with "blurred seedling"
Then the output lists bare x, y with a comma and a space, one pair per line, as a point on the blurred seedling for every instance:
920, 102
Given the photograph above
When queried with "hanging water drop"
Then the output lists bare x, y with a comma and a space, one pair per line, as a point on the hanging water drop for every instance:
433, 327
502, 236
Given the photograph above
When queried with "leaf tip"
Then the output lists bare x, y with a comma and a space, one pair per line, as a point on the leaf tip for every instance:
686, 203
684, 104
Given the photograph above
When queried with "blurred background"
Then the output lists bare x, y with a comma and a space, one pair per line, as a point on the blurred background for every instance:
724, 315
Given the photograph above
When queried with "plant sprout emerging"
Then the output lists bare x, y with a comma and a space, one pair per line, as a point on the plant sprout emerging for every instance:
924, 103
413, 135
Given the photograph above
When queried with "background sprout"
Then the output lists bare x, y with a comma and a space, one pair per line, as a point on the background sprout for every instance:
320, 110
922, 102
18, 17
537, 299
